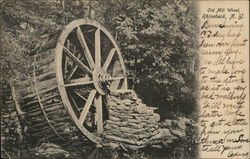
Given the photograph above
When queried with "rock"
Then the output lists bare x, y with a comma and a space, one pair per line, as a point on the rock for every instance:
165, 132
134, 98
127, 108
143, 136
118, 139
127, 102
167, 123
123, 117
113, 145
113, 113
150, 112
112, 103
136, 115
133, 121
141, 108
121, 107
157, 136
138, 100
130, 130
157, 146
151, 129
117, 100
181, 124
178, 133
114, 118
140, 118
154, 119
118, 123
137, 126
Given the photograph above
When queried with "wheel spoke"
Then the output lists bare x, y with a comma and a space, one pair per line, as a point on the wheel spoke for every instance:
74, 102
98, 47
66, 59
78, 82
115, 78
76, 60
87, 106
85, 48
109, 58
99, 118
81, 96
72, 71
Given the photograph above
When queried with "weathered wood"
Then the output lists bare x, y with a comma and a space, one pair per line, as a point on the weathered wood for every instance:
109, 58
53, 113
47, 110
99, 117
36, 106
45, 107
43, 86
87, 106
98, 47
47, 128
85, 48
42, 92
30, 82
76, 60
50, 98
57, 120
44, 96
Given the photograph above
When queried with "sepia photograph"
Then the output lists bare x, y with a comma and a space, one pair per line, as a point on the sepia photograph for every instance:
118, 79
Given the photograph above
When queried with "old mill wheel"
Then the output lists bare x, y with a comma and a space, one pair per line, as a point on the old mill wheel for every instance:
74, 72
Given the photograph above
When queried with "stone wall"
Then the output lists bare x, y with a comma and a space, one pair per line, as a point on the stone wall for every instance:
130, 122
11, 129
134, 125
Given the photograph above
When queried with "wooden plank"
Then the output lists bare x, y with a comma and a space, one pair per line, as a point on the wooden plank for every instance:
87, 106
78, 82
66, 60
116, 72
99, 115
85, 48
72, 71
75, 59
98, 47
28, 104
45, 107
109, 58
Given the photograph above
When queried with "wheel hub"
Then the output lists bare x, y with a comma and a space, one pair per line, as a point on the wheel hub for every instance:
101, 80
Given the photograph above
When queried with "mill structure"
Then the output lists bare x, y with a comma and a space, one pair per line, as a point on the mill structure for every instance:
78, 90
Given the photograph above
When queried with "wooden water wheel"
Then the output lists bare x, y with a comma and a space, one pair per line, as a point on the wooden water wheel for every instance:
71, 76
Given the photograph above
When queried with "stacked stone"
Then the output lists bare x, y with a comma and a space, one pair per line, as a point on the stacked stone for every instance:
11, 130
130, 121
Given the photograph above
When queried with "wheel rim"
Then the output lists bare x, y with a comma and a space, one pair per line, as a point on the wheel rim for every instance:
88, 65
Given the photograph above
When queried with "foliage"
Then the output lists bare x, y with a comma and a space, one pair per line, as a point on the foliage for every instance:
186, 147
159, 42
157, 39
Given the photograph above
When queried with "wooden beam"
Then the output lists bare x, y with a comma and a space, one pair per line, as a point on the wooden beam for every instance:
66, 60
87, 106
78, 82
109, 58
73, 70
115, 78
99, 115
85, 48
98, 47
76, 60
